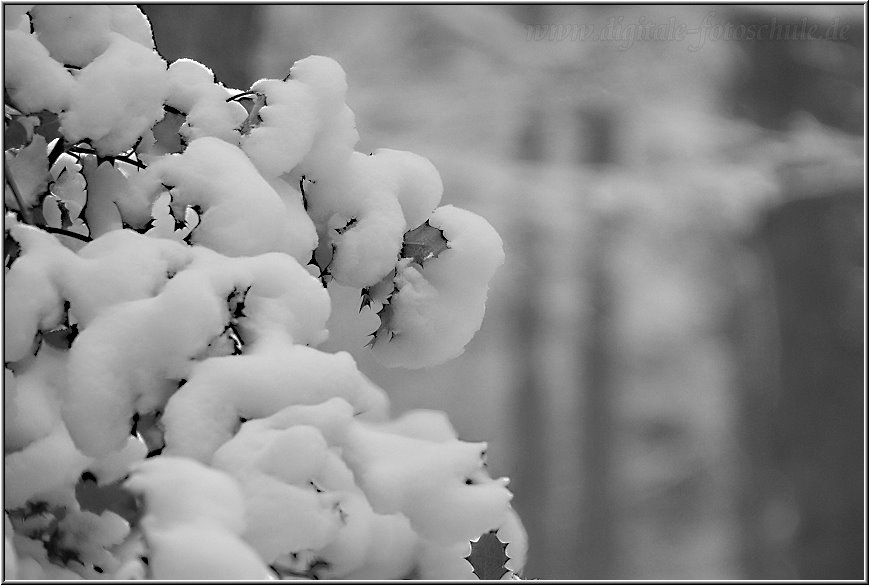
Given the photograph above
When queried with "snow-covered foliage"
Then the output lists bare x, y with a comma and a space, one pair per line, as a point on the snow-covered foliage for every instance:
169, 245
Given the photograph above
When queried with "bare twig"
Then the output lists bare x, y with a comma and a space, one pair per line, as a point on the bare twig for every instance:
122, 158
63, 232
240, 95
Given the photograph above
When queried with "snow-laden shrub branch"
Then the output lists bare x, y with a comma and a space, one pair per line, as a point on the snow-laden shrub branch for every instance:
169, 243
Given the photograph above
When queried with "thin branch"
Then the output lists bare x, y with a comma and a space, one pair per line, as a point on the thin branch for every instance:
67, 233
25, 212
122, 158
240, 95
258, 104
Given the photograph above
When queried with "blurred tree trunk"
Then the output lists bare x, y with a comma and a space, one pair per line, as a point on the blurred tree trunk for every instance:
596, 546
803, 435
596, 549
529, 482
222, 37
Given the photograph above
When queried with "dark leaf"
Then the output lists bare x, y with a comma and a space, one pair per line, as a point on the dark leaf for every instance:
65, 219
366, 299
59, 554
15, 134
111, 496
49, 126
11, 249
56, 151
423, 243
166, 133
29, 510
385, 330
27, 173
347, 226
235, 301
488, 557
148, 428
61, 337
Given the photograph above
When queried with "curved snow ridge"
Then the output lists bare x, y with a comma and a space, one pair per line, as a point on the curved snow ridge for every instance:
240, 213
205, 411
317, 478
117, 97
194, 91
193, 523
144, 308
439, 307
365, 211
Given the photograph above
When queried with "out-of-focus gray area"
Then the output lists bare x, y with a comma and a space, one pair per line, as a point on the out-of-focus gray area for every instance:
671, 365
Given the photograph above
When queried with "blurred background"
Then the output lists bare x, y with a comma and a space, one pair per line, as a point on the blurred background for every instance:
672, 363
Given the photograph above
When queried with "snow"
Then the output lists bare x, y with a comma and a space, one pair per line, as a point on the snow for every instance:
117, 97
119, 267
446, 562
418, 184
369, 545
300, 229
513, 533
289, 124
78, 34
280, 449
32, 293
42, 467
326, 79
277, 465
332, 146
117, 464
32, 398
284, 517
368, 209
34, 80
240, 213
387, 542
194, 91
179, 491
440, 486
194, 517
440, 306
10, 557
90, 535
133, 353
15, 17
204, 413
293, 455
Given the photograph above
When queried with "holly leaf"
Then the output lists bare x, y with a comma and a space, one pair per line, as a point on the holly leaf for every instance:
423, 243
488, 557
366, 299
385, 329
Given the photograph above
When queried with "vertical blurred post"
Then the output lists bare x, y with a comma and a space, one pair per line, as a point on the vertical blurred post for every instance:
529, 411
596, 546
221, 36
803, 504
